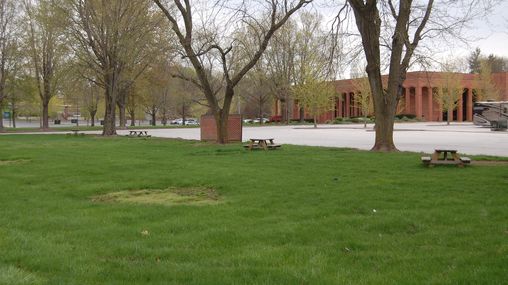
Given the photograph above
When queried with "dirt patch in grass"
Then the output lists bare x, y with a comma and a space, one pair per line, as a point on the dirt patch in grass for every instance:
490, 162
17, 276
172, 196
13, 161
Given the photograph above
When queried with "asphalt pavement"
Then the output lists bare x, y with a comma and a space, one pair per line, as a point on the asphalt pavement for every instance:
417, 137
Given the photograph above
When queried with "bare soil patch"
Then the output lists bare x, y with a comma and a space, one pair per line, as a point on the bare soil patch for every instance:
172, 196
13, 161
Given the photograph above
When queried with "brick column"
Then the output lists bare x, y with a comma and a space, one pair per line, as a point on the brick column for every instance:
418, 105
469, 115
348, 104
430, 115
341, 104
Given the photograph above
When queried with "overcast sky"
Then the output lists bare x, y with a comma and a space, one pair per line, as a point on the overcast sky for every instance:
494, 32
490, 34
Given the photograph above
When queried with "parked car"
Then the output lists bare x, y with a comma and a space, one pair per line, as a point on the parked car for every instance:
258, 120
176, 122
188, 122
191, 122
247, 121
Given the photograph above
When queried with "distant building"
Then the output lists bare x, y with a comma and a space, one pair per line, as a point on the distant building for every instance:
417, 98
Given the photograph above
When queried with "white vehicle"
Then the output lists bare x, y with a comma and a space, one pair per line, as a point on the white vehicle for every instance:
258, 120
191, 122
188, 122
176, 122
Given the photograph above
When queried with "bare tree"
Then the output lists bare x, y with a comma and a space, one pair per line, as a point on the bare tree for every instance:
397, 28
132, 104
255, 90
91, 97
47, 48
156, 85
8, 46
199, 41
113, 39
280, 66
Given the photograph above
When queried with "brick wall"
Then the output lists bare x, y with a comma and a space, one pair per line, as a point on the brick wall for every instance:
209, 129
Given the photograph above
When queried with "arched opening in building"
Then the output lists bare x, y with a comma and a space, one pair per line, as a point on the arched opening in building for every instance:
412, 100
343, 105
465, 104
351, 104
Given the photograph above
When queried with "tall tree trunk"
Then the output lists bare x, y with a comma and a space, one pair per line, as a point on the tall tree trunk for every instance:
122, 117
315, 122
183, 114
13, 118
121, 103
110, 94
2, 96
260, 113
302, 115
1, 119
46, 96
164, 119
384, 131
45, 115
154, 117
221, 123
369, 25
109, 115
133, 118
222, 117
92, 116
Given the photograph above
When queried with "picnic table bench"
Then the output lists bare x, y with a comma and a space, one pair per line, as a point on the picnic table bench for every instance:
138, 134
76, 132
445, 157
265, 144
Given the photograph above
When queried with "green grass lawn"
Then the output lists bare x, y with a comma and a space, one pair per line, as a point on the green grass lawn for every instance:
298, 215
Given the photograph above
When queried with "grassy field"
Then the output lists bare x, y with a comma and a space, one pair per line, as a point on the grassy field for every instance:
298, 215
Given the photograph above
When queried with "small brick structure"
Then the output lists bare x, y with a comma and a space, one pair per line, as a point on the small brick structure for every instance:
209, 129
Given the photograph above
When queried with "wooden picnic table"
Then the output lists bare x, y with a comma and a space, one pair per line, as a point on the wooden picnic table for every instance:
139, 134
76, 132
262, 143
445, 156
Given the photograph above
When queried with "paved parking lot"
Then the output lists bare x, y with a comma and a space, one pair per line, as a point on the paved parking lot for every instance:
419, 137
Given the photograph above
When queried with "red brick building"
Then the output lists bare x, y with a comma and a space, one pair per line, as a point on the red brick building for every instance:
417, 99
